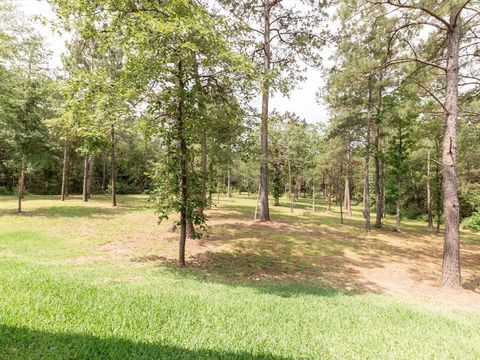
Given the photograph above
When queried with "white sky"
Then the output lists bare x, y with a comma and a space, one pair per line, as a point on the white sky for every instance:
301, 101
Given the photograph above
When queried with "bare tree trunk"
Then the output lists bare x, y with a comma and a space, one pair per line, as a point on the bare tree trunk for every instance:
451, 277
183, 160
398, 203
329, 197
265, 216
429, 192
256, 203
203, 141
340, 202
382, 165
114, 166
290, 185
85, 179
64, 170
378, 193
346, 197
21, 187
104, 171
90, 176
229, 190
438, 197
366, 200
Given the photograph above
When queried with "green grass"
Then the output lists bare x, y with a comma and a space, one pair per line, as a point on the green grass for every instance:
54, 306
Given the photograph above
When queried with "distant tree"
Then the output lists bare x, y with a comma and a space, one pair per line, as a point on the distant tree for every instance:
281, 34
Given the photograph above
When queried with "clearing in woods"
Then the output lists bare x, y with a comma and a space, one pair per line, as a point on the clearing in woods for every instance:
83, 280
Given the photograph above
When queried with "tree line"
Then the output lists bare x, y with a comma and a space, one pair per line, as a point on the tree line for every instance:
156, 96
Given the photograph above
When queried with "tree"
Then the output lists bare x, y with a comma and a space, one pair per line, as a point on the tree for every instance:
397, 112
25, 106
451, 39
287, 34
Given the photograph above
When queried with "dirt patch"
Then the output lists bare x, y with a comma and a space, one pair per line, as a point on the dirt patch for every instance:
313, 249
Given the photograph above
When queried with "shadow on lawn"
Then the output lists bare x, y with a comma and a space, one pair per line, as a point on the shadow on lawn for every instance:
23, 343
310, 254
278, 258
68, 211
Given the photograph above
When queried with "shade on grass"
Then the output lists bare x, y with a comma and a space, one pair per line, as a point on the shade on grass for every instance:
118, 309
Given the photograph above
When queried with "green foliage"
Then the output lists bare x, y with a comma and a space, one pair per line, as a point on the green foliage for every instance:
472, 222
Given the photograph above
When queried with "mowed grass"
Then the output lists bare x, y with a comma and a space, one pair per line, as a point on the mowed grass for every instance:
85, 281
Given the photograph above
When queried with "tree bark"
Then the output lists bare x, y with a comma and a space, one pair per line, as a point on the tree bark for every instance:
297, 188
438, 197
114, 166
329, 197
104, 171
229, 189
203, 140
90, 176
64, 171
451, 277
398, 215
290, 185
21, 188
378, 192
183, 161
85, 179
366, 200
429, 191
347, 204
265, 216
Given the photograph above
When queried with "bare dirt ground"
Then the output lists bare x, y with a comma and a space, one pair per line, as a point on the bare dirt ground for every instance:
311, 249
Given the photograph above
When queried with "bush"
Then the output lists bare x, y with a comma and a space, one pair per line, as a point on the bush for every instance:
472, 222
5, 191
413, 212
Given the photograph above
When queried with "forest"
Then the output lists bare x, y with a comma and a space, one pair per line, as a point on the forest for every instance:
155, 203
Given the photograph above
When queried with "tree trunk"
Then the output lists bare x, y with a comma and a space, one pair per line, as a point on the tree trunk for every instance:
290, 185
114, 166
183, 161
21, 187
104, 171
85, 179
378, 192
438, 197
229, 189
329, 197
347, 203
398, 215
382, 171
90, 176
346, 197
64, 171
366, 200
429, 192
265, 216
451, 277
203, 140
296, 189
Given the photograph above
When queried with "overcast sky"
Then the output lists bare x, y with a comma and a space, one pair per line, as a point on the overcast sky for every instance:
302, 101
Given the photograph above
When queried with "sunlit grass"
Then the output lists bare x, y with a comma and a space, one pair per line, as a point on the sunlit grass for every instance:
81, 281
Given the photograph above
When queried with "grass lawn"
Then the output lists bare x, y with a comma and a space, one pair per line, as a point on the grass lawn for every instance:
85, 281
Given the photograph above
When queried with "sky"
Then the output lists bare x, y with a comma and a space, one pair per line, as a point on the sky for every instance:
302, 100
